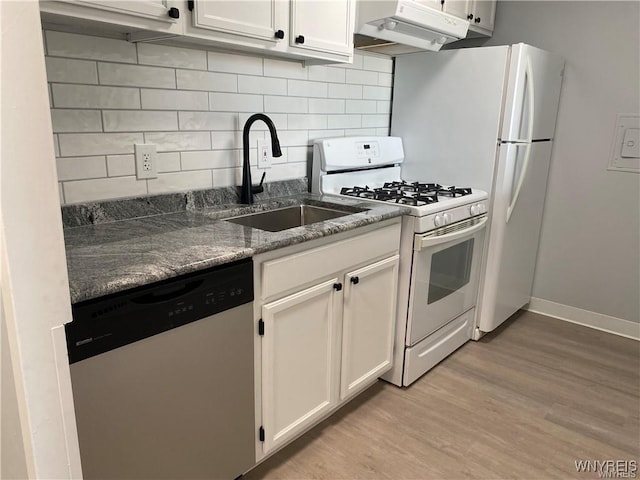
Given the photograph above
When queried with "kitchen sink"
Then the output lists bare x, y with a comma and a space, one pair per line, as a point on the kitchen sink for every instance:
288, 217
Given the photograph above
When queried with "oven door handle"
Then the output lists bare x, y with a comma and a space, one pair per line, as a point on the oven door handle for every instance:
427, 240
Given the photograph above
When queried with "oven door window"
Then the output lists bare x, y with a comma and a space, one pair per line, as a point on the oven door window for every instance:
450, 270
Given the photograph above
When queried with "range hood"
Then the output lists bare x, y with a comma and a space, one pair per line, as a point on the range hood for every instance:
402, 26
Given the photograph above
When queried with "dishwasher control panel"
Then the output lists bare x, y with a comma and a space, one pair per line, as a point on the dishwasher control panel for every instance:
116, 320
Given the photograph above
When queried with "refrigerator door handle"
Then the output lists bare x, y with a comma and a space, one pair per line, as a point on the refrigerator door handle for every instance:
527, 155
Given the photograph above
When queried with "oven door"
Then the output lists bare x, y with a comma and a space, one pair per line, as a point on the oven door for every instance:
444, 276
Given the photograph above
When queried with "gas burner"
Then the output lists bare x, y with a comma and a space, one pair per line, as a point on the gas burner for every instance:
454, 192
362, 192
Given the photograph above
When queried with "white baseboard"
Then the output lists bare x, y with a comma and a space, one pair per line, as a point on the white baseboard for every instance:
599, 321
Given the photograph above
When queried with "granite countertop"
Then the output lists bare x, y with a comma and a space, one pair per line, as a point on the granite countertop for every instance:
111, 257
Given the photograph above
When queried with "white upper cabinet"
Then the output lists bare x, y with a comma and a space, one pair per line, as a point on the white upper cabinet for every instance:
323, 25
480, 14
254, 19
132, 16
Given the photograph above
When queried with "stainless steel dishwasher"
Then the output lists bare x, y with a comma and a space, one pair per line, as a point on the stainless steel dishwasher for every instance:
162, 378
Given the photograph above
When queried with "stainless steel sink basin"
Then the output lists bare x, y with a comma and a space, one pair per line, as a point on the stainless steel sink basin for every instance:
288, 217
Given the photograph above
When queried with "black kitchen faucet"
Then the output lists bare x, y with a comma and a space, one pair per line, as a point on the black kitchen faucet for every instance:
247, 190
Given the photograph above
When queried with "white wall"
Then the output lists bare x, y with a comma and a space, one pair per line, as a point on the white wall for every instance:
589, 254
108, 94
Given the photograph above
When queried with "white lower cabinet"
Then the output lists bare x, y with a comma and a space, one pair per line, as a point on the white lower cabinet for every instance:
367, 333
325, 321
299, 361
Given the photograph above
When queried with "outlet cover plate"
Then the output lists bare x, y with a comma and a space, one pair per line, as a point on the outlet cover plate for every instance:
146, 160
264, 153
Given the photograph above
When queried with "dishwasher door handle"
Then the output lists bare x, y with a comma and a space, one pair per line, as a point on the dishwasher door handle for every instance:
169, 294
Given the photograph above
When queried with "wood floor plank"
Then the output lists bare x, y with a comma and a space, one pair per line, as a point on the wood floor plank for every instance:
526, 401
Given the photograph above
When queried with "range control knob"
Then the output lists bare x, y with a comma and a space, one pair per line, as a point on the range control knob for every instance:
439, 221
447, 219
481, 208
473, 210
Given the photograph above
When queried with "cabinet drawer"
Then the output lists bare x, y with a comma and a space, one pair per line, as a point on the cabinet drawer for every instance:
293, 271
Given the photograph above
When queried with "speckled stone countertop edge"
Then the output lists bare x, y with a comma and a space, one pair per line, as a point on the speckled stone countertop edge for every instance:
115, 257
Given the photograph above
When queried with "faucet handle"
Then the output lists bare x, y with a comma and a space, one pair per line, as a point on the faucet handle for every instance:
259, 188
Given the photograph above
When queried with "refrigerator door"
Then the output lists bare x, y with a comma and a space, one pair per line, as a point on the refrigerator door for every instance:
513, 245
447, 107
533, 93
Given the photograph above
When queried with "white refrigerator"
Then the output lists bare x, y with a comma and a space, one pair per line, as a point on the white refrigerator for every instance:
485, 118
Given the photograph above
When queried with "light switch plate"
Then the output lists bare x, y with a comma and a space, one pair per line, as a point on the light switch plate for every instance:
625, 149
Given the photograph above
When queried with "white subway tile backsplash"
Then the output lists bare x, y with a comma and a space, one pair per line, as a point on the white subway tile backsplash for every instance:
72, 45
376, 93
384, 106
270, 86
66, 70
361, 106
320, 73
285, 104
155, 99
357, 62
337, 90
87, 96
298, 154
179, 141
211, 159
139, 121
106, 95
180, 181
282, 68
168, 162
103, 189
319, 134
136, 75
235, 102
360, 132
326, 105
61, 193
84, 144
121, 165
378, 64
209, 81
227, 177
75, 121
383, 132
278, 119
344, 121
77, 168
208, 121
232, 63
150, 54
307, 122
303, 88
375, 121
362, 77
293, 138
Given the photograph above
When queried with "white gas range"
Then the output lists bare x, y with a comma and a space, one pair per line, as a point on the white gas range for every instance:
440, 251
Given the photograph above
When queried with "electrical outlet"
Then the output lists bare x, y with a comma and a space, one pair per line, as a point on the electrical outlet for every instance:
264, 153
146, 160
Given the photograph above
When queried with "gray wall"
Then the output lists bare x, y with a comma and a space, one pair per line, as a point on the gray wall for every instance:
589, 254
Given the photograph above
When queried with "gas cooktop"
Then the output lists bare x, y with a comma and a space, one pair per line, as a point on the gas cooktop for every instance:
407, 193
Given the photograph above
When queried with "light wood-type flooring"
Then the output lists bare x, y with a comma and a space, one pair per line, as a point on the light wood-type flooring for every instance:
526, 401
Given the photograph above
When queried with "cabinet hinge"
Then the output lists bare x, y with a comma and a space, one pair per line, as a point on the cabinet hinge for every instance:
190, 5
260, 327
261, 434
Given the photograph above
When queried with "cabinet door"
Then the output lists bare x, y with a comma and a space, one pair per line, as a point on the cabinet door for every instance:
300, 352
323, 25
155, 9
249, 18
368, 324
458, 8
484, 12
